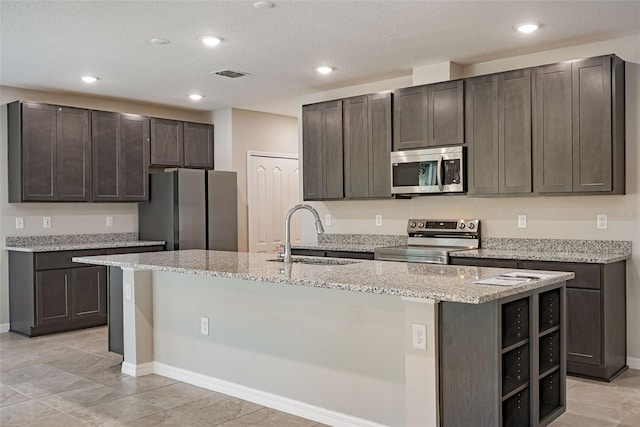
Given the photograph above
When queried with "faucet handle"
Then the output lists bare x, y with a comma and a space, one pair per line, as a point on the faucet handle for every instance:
279, 254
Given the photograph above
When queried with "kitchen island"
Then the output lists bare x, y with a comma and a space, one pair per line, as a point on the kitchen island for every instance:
340, 341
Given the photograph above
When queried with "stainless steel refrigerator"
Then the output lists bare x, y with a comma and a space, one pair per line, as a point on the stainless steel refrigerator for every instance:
191, 209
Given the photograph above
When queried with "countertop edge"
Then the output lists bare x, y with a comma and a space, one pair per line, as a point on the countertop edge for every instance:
574, 257
82, 246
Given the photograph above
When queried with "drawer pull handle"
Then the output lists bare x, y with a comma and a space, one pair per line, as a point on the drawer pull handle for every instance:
581, 355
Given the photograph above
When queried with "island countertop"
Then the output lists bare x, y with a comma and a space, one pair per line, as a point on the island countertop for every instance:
424, 281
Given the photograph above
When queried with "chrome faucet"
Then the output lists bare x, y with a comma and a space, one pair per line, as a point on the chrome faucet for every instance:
287, 229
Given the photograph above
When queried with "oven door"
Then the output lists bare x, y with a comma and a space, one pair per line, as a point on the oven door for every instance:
427, 171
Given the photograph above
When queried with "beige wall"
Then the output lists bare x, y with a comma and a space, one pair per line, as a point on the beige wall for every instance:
254, 131
548, 217
66, 218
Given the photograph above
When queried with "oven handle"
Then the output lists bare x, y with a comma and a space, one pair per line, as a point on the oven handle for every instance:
440, 185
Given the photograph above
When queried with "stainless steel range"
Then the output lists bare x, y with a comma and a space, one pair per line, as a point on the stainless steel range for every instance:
431, 241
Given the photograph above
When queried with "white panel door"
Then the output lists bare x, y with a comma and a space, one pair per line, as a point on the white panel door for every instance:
272, 190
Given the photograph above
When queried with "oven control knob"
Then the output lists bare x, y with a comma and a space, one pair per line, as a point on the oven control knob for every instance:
462, 225
412, 224
421, 225
471, 226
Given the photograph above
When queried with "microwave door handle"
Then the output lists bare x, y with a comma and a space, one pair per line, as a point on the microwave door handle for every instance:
439, 174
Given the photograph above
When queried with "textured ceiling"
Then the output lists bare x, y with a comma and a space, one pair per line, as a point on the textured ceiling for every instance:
48, 45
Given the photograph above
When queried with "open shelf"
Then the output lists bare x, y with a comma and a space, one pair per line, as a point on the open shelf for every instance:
549, 331
549, 351
515, 369
515, 322
549, 310
550, 394
516, 410
548, 371
516, 391
516, 345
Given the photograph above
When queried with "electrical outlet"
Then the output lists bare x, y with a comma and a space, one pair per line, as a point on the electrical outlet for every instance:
522, 221
204, 325
379, 220
109, 221
327, 220
127, 291
46, 222
19, 223
419, 336
602, 222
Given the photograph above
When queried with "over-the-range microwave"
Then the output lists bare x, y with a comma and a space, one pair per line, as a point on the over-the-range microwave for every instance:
432, 170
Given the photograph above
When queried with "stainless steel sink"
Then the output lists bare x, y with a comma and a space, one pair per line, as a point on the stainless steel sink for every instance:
318, 261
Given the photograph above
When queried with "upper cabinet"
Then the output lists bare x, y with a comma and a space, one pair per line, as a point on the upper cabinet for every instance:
322, 151
120, 156
181, 144
498, 126
428, 116
367, 144
49, 153
579, 127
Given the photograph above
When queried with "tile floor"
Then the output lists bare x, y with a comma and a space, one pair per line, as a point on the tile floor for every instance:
72, 380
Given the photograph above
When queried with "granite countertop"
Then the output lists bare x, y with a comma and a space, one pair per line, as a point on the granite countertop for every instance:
336, 246
424, 281
582, 257
71, 242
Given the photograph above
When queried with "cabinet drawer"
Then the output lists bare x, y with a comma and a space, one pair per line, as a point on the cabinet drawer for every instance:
62, 259
587, 275
134, 249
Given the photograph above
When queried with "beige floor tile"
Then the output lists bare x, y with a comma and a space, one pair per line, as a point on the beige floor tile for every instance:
269, 418
25, 413
122, 410
53, 384
9, 396
133, 385
57, 420
171, 396
217, 409
9, 361
631, 420
81, 398
166, 419
27, 373
607, 395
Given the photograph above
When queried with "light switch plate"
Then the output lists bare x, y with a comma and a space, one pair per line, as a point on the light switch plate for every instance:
379, 220
602, 222
109, 221
127, 291
327, 220
19, 223
522, 221
46, 222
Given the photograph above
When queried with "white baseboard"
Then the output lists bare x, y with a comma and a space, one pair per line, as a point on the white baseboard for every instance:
634, 363
263, 398
137, 370
4, 327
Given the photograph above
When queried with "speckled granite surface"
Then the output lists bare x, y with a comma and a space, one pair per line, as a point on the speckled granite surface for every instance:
560, 250
440, 282
70, 242
352, 242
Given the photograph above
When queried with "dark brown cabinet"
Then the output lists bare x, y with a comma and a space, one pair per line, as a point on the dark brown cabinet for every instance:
49, 153
428, 116
181, 144
498, 126
367, 144
579, 126
322, 146
596, 313
120, 145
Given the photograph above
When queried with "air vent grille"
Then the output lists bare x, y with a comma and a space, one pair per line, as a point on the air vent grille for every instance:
230, 73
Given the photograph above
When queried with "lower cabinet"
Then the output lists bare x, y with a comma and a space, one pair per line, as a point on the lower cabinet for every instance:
504, 361
49, 293
596, 313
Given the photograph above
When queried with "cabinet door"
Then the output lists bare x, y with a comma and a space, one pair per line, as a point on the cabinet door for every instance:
482, 134
198, 145
584, 326
552, 143
53, 296
38, 152
356, 147
514, 132
312, 153
89, 292
73, 154
379, 124
134, 157
409, 118
592, 149
167, 143
332, 150
105, 141
445, 122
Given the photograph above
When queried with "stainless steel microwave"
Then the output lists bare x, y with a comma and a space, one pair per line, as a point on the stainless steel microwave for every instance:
432, 170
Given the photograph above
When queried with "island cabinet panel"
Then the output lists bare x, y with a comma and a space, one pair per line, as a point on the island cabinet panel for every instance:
428, 116
49, 153
322, 146
367, 144
504, 361
120, 145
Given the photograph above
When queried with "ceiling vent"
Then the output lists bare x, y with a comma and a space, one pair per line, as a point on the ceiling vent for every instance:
230, 73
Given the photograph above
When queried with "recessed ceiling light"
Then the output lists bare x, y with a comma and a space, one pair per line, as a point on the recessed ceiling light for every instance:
324, 69
89, 79
160, 41
527, 28
210, 40
263, 5
195, 97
